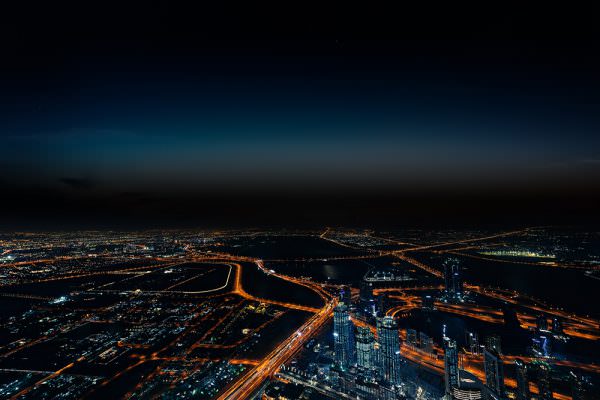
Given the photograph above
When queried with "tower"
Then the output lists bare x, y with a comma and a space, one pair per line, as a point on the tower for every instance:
453, 279
473, 342
367, 300
343, 336
365, 348
522, 381
541, 323
544, 382
382, 304
346, 295
557, 326
426, 343
411, 337
577, 387
469, 387
494, 343
450, 365
494, 374
389, 342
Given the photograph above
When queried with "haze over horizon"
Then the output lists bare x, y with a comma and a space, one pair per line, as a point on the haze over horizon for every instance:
170, 114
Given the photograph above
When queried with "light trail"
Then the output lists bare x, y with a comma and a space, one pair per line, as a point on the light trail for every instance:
252, 380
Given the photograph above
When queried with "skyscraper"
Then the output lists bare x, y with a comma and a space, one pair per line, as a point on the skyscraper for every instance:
453, 279
577, 387
557, 326
522, 380
494, 374
411, 337
541, 323
450, 365
544, 382
494, 343
343, 336
365, 348
367, 300
469, 387
427, 303
473, 342
382, 304
542, 344
389, 342
346, 295
426, 343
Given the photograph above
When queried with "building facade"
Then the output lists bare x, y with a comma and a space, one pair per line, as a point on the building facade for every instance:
389, 342
343, 337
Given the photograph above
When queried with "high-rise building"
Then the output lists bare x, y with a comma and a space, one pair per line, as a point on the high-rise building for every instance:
346, 295
411, 337
343, 336
450, 365
426, 342
367, 300
544, 382
427, 303
577, 387
382, 304
557, 326
522, 380
494, 343
494, 374
389, 349
365, 348
453, 279
542, 344
473, 343
469, 387
541, 322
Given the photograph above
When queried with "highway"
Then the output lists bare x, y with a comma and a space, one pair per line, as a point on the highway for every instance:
250, 382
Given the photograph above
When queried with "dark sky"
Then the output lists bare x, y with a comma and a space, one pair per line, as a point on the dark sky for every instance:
153, 115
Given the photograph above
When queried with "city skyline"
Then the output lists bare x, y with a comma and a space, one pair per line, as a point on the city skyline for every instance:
273, 202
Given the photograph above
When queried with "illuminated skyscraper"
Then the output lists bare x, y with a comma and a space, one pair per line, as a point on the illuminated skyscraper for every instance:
494, 375
541, 323
544, 382
343, 336
382, 304
426, 343
411, 337
542, 344
557, 326
453, 279
427, 303
494, 343
469, 387
522, 380
365, 348
577, 387
389, 342
346, 296
450, 365
367, 300
473, 342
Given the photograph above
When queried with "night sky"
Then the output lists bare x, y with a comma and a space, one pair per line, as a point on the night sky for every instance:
153, 116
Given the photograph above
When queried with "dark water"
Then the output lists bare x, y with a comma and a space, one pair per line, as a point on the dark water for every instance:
270, 287
332, 271
349, 271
